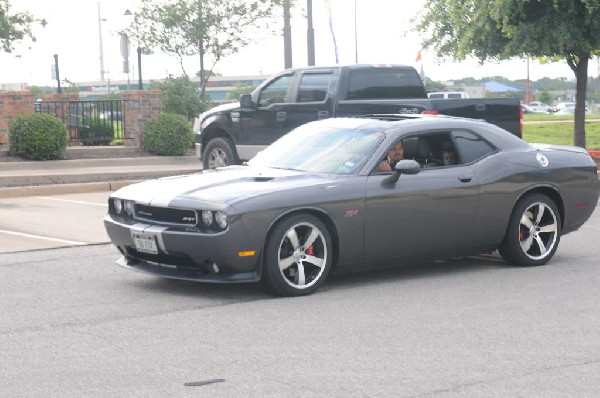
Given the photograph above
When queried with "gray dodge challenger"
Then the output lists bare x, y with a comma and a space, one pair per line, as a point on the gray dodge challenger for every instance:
349, 194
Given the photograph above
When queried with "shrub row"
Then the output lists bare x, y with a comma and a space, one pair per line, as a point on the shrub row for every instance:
38, 136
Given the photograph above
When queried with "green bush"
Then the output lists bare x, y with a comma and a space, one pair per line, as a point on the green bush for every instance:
168, 134
99, 132
37, 136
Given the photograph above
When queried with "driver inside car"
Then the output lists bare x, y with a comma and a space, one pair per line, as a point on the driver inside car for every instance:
395, 154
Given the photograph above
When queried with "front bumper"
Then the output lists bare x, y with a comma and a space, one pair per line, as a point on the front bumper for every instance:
187, 254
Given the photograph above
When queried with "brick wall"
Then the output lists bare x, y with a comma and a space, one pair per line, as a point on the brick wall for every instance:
12, 103
138, 108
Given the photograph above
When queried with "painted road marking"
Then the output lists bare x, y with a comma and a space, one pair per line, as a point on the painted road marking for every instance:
69, 242
72, 201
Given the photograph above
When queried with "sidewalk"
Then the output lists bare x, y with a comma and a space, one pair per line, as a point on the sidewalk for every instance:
87, 175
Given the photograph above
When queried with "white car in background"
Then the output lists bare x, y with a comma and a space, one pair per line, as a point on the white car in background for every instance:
540, 107
567, 108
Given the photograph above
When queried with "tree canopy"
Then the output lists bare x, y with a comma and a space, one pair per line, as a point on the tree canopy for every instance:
566, 30
213, 28
13, 27
179, 96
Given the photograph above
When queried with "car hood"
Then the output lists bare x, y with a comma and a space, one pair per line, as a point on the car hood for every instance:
221, 187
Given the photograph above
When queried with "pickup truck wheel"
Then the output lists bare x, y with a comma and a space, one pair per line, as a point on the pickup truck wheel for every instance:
218, 153
533, 232
298, 256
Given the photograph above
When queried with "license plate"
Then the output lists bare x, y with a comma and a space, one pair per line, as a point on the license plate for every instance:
145, 243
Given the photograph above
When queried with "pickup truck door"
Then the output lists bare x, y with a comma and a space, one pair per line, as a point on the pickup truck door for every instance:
432, 211
310, 99
268, 121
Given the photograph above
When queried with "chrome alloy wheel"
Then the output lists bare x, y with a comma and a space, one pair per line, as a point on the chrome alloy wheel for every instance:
538, 230
302, 255
217, 158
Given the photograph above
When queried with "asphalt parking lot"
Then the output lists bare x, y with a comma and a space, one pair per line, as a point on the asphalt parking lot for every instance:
44, 222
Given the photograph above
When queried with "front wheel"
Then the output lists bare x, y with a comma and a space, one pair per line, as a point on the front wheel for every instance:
218, 153
297, 256
533, 232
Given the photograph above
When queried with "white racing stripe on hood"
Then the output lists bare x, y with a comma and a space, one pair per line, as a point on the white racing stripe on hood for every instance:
163, 191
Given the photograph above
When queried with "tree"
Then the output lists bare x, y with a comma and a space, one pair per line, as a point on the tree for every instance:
552, 29
179, 95
240, 89
13, 27
431, 85
214, 28
545, 97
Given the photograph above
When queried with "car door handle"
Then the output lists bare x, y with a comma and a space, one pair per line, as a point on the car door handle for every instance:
323, 114
465, 178
480, 107
281, 116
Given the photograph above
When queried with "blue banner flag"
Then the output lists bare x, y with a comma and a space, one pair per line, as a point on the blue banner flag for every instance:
328, 9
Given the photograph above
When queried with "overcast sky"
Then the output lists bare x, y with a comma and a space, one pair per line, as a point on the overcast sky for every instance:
382, 36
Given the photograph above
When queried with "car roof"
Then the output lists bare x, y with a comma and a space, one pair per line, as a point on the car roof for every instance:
396, 125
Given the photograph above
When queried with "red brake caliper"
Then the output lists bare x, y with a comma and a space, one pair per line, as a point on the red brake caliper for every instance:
310, 250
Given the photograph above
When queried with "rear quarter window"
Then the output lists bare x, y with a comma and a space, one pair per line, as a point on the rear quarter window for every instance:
471, 146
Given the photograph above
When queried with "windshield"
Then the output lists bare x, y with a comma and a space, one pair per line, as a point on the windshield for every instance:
321, 149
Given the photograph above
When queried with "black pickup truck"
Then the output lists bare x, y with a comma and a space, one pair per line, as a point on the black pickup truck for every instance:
230, 133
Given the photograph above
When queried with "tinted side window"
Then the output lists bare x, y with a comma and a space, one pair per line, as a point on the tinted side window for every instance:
382, 83
471, 146
313, 87
275, 92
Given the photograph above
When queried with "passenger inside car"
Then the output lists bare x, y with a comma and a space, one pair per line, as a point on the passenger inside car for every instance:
448, 156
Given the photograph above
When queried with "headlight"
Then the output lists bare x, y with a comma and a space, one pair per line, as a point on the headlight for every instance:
118, 205
207, 217
128, 207
221, 219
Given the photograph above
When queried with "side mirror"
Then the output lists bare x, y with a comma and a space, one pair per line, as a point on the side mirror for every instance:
246, 101
406, 166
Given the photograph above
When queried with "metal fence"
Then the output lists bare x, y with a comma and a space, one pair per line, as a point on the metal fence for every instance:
89, 122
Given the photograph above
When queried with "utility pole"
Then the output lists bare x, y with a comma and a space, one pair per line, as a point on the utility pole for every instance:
287, 35
310, 35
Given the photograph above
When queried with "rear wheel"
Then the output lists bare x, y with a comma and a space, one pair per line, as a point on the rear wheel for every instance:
219, 152
297, 256
533, 232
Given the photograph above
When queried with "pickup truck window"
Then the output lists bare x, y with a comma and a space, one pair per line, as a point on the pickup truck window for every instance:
275, 92
313, 87
384, 83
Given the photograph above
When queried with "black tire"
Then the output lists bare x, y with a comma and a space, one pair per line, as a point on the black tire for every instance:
219, 152
533, 232
291, 268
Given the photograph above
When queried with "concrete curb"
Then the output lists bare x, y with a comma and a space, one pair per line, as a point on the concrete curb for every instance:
59, 189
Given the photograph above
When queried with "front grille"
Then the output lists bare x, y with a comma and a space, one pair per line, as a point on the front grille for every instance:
166, 215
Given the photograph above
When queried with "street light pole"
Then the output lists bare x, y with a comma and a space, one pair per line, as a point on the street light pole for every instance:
139, 58
140, 84
100, 38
